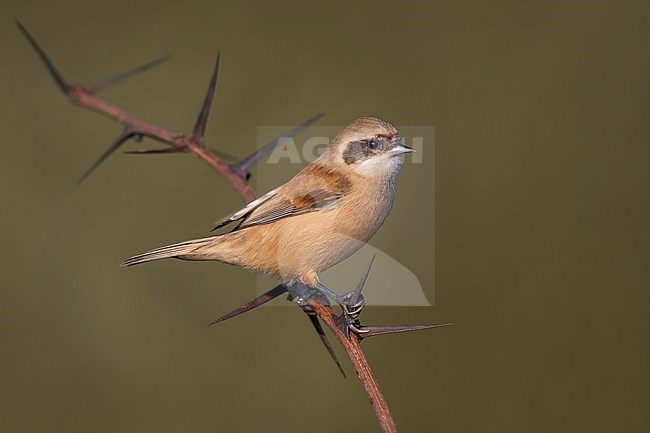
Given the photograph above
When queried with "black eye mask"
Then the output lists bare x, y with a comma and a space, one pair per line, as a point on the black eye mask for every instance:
359, 151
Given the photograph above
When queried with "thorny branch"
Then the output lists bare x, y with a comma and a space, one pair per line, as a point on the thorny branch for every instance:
237, 174
134, 127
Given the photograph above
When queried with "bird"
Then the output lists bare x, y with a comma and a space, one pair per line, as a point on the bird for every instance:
324, 214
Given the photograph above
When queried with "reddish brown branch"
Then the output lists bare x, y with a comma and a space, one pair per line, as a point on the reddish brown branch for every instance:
350, 343
135, 127
79, 95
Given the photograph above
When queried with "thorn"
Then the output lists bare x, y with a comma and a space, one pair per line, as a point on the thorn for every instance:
155, 151
354, 298
121, 139
262, 299
125, 75
371, 331
58, 78
243, 166
198, 134
323, 337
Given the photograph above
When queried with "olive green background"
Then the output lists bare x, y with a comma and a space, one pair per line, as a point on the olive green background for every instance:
541, 234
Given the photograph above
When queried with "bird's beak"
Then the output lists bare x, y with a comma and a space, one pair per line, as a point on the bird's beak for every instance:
401, 148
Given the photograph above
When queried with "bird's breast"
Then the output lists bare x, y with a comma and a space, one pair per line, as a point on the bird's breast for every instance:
314, 241
318, 240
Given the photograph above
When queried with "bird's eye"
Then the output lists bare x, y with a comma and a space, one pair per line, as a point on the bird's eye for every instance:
373, 144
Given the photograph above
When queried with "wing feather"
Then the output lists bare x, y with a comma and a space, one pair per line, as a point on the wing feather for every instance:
313, 189
250, 207
281, 207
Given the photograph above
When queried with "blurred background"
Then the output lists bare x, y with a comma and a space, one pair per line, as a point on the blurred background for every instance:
541, 233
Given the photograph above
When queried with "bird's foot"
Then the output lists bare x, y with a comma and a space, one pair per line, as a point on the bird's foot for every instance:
351, 304
351, 312
302, 293
353, 324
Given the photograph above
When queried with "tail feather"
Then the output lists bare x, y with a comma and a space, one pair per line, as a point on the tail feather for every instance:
180, 250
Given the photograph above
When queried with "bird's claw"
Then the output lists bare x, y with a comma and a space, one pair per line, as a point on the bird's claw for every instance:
351, 303
353, 324
301, 294
353, 310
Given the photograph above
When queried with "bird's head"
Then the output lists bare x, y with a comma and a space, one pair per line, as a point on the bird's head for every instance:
369, 147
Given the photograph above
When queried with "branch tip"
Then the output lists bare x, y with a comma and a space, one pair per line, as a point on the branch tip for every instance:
56, 75
125, 75
354, 298
371, 331
198, 134
243, 166
155, 151
323, 337
121, 139
260, 300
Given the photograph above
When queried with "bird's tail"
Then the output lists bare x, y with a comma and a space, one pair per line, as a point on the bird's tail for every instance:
188, 250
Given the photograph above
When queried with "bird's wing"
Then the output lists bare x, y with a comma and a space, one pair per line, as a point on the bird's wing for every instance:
250, 207
309, 191
283, 207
